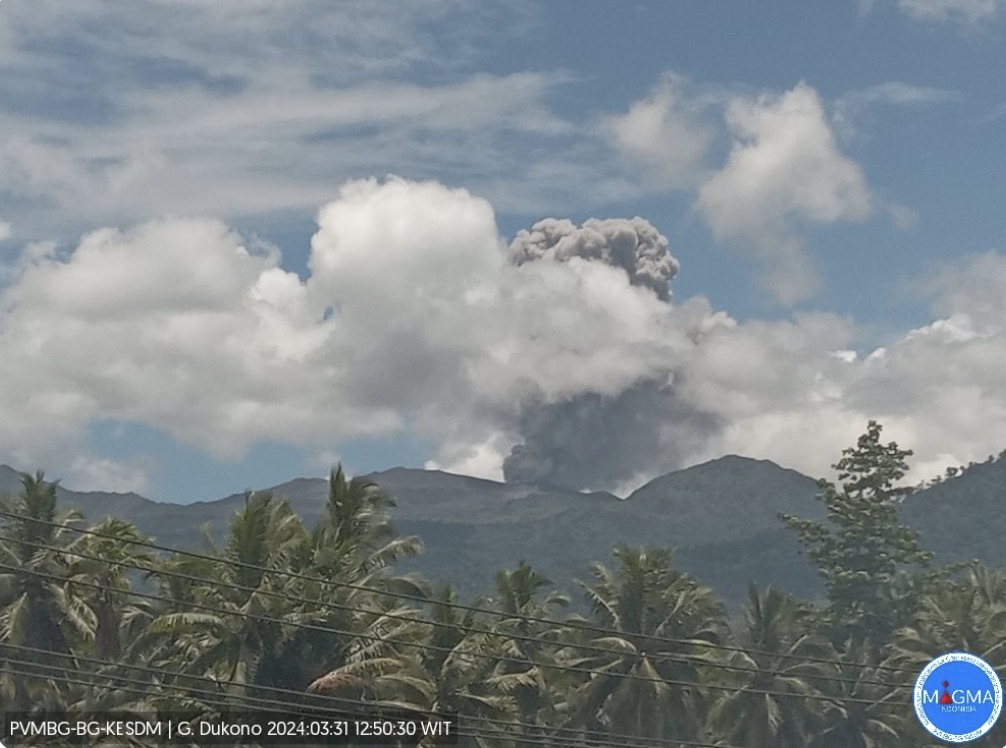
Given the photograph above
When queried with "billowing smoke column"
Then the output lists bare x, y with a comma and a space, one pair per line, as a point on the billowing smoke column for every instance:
631, 244
598, 442
602, 441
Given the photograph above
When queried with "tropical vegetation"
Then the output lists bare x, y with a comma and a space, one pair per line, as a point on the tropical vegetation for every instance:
289, 619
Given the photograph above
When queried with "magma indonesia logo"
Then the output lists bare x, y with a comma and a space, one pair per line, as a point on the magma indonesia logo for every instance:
958, 697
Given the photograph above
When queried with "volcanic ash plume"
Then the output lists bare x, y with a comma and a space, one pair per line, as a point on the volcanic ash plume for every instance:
600, 436
631, 244
604, 442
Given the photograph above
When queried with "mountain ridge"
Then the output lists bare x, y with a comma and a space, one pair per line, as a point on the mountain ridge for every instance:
472, 527
720, 517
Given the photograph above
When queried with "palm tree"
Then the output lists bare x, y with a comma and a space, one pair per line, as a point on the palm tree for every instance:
103, 565
518, 592
40, 609
532, 648
355, 535
247, 585
449, 665
353, 546
272, 568
966, 615
773, 675
862, 710
107, 564
467, 675
660, 619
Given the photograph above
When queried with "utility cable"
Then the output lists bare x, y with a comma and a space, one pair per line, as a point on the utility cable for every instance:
429, 647
661, 656
573, 624
316, 701
285, 710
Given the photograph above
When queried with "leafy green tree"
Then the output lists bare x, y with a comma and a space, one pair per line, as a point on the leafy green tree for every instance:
872, 567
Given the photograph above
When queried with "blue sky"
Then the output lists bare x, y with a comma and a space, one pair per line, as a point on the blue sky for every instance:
242, 240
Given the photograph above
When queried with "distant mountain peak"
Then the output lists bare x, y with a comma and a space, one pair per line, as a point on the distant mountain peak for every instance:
733, 459
720, 471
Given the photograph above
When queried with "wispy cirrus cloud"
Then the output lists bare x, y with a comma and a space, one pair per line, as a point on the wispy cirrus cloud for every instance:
890, 93
266, 106
269, 148
966, 11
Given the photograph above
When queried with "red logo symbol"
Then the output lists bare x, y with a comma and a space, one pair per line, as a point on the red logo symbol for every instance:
945, 698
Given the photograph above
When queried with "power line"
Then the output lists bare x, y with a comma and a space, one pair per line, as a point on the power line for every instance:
549, 739
573, 624
429, 647
310, 697
660, 657
357, 609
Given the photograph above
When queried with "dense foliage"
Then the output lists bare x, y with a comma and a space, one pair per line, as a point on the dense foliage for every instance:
281, 616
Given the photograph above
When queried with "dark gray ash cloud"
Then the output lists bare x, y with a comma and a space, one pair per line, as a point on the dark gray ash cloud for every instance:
604, 442
632, 244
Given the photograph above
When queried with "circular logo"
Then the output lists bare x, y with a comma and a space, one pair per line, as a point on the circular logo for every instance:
958, 697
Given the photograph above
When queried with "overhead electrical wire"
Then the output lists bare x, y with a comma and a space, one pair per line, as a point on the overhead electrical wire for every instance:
660, 656
429, 647
572, 624
288, 709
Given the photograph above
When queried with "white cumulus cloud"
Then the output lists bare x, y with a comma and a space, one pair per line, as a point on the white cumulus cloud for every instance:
785, 166
664, 135
553, 358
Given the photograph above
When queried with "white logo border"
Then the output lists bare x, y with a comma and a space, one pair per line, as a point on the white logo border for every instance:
920, 690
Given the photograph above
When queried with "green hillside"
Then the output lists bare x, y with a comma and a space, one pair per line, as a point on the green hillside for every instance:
720, 518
